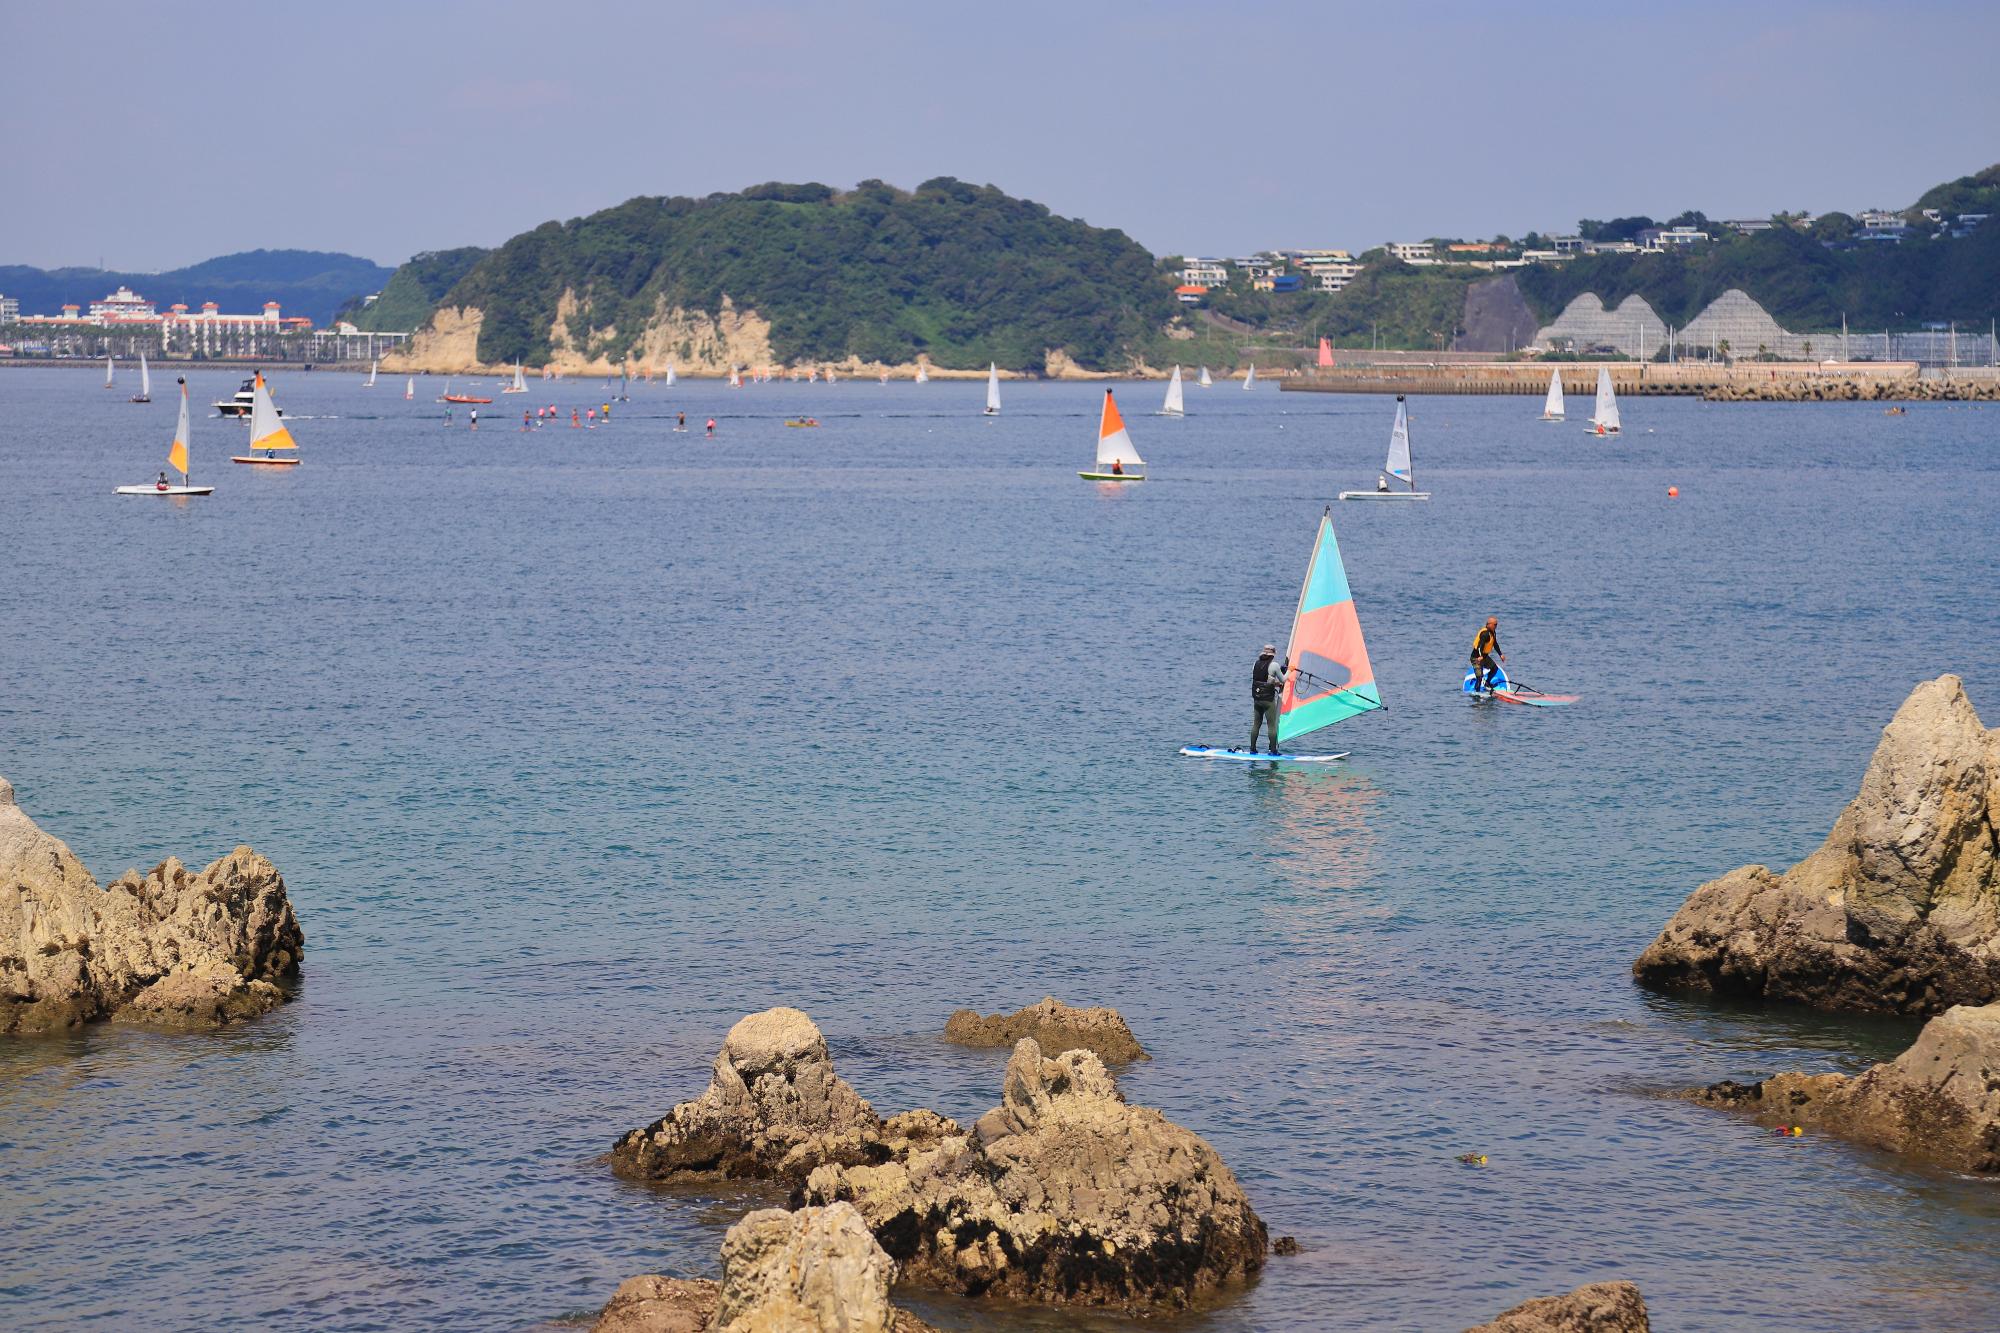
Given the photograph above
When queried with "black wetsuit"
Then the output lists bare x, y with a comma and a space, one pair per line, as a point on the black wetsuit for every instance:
1267, 687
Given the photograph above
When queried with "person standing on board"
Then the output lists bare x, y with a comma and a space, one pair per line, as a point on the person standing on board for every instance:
711, 428
475, 418
447, 414
681, 423
1267, 686
1486, 647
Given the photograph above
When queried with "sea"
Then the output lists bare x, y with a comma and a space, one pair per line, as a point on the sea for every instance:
575, 746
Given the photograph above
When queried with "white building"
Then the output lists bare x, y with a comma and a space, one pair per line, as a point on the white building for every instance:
122, 305
1674, 238
1198, 272
10, 309
1875, 219
1413, 252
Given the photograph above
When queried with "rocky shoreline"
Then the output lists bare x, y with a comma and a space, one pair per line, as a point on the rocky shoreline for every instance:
168, 947
1856, 389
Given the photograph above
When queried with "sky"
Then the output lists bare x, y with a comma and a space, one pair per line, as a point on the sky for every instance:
165, 134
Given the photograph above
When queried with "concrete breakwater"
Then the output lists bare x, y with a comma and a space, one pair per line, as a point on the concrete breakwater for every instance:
1851, 390
1792, 382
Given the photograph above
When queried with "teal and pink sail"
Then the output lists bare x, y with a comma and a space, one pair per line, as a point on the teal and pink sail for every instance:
1329, 679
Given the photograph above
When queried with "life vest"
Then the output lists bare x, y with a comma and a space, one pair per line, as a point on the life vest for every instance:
1484, 643
1264, 681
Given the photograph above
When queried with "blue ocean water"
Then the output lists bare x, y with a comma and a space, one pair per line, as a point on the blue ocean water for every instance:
576, 746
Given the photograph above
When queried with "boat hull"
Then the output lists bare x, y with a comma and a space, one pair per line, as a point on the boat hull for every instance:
1385, 495
1109, 476
268, 462
463, 398
166, 490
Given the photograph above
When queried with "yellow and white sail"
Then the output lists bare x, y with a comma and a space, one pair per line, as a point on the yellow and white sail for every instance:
267, 428
177, 455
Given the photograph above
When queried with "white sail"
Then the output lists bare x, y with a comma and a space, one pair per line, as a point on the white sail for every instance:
1114, 442
923, 373
1552, 406
1250, 377
830, 379
373, 366
670, 376
1606, 416
410, 389
177, 454
109, 372
1204, 381
267, 429
520, 384
1174, 406
146, 381
992, 389
735, 378
1399, 445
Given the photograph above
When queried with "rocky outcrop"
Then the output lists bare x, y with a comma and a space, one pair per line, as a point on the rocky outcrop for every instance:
1601, 1307
1939, 1101
1850, 389
167, 947
1062, 1193
1898, 911
801, 1272
1054, 1026
774, 1109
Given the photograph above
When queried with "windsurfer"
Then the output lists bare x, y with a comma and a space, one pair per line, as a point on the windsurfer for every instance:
1485, 648
1267, 684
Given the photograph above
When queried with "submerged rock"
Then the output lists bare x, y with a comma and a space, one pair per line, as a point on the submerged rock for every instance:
1939, 1101
782, 1272
1601, 1307
1054, 1026
1062, 1193
1898, 911
167, 947
774, 1109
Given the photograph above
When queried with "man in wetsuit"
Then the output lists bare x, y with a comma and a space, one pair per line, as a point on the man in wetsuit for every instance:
1485, 648
1267, 688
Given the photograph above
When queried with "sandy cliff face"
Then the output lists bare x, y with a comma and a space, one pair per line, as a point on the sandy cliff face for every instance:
447, 345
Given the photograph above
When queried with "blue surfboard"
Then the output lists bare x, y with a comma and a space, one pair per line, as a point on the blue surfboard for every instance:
1258, 756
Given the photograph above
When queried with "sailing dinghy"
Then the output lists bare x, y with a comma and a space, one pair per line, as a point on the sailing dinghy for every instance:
1552, 406
1203, 380
992, 389
410, 389
177, 459
923, 372
1250, 377
145, 394
267, 432
520, 385
1114, 448
1327, 675
373, 366
1174, 406
1604, 421
1398, 465
670, 375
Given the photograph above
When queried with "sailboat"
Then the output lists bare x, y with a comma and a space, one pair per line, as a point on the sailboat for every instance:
1250, 377
145, 394
1204, 381
410, 389
1398, 465
110, 372
923, 373
830, 376
1552, 406
1115, 451
670, 376
624, 382
1173, 407
177, 458
735, 379
519, 385
1604, 421
885, 377
1327, 675
373, 366
992, 390
267, 432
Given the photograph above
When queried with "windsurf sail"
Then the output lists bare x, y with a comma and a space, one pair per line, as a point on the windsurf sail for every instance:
373, 366
145, 383
110, 372
1605, 418
1552, 406
1204, 380
992, 389
1250, 377
1114, 442
1399, 445
1328, 678
267, 429
923, 372
670, 375
1174, 405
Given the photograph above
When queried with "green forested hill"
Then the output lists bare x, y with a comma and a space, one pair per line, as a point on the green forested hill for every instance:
312, 283
408, 298
964, 273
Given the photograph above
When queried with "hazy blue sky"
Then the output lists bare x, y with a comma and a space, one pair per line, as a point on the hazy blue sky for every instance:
151, 135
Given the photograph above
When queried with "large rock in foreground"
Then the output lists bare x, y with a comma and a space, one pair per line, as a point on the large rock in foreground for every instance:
814, 1270
1939, 1101
1054, 1026
1898, 911
1063, 1193
1601, 1307
168, 947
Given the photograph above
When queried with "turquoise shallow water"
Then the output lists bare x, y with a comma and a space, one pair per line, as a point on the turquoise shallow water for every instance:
574, 747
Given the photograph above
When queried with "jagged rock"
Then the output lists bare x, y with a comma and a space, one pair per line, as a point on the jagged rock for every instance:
1062, 1193
167, 947
1898, 911
1054, 1026
773, 1110
817, 1270
1938, 1101
1601, 1307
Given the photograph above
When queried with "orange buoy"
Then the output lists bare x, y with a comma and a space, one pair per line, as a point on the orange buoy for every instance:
1673, 492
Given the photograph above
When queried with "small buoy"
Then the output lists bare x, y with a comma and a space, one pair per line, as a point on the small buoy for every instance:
1673, 492
1473, 1158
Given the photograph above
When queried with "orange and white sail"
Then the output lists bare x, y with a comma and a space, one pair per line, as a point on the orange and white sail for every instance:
1114, 442
267, 429
177, 455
